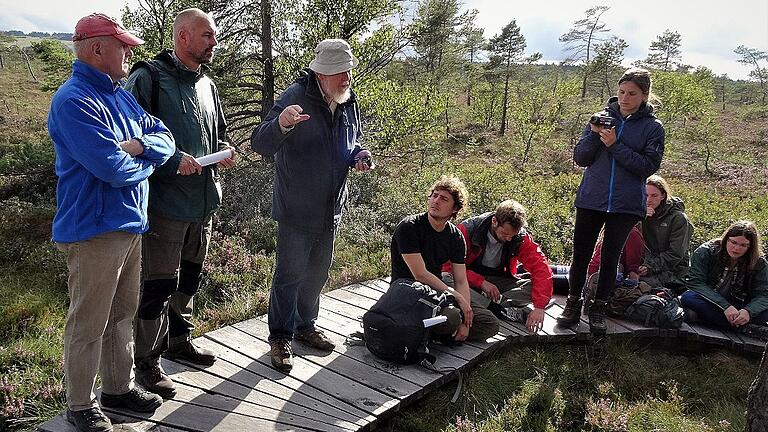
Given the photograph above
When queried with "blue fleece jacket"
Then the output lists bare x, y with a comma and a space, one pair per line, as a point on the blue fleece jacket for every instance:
101, 188
614, 181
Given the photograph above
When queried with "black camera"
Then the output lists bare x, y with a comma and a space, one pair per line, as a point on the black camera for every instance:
602, 119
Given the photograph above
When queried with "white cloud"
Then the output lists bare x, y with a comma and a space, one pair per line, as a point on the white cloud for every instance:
710, 29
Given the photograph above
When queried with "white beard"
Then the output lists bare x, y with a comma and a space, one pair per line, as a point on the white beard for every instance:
342, 97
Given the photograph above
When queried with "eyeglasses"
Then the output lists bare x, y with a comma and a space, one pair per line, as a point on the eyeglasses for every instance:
733, 242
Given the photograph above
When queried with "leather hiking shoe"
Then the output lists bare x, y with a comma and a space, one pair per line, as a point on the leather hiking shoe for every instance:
137, 399
189, 352
280, 353
156, 381
316, 339
571, 312
89, 420
597, 324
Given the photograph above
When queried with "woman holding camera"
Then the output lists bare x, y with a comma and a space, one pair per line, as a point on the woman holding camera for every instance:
728, 282
620, 148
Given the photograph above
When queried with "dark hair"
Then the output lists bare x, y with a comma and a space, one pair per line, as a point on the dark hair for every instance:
659, 183
749, 230
511, 212
458, 191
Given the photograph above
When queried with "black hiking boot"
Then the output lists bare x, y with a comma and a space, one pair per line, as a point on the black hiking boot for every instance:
571, 312
596, 315
89, 420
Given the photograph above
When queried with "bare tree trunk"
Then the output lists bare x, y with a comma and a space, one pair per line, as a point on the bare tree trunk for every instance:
268, 85
29, 66
757, 399
2, 64
447, 121
504, 103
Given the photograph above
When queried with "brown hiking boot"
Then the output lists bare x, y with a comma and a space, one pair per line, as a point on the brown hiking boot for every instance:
571, 312
156, 381
596, 315
187, 351
280, 353
316, 339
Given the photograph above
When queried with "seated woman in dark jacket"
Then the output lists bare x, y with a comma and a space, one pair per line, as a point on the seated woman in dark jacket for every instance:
728, 282
667, 233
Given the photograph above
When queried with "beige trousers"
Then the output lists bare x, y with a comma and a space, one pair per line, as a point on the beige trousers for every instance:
104, 275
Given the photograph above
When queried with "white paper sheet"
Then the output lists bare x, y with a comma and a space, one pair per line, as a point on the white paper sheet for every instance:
214, 157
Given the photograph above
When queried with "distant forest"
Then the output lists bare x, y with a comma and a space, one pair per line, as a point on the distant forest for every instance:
38, 34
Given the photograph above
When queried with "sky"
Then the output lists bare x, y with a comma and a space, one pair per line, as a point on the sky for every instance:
710, 29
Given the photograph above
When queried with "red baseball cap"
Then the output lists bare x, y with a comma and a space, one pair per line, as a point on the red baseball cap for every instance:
97, 24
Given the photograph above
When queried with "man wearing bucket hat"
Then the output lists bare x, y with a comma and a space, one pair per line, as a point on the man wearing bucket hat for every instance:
106, 147
313, 132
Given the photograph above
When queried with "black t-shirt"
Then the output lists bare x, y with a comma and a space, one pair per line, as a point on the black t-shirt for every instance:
414, 234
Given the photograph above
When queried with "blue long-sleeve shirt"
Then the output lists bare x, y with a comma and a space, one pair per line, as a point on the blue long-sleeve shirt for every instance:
101, 188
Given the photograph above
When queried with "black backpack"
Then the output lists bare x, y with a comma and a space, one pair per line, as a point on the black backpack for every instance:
154, 75
656, 310
393, 328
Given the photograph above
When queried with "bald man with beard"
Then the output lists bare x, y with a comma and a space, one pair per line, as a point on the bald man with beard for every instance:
183, 196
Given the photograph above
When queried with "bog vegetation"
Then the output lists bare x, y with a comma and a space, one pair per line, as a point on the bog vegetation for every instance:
438, 96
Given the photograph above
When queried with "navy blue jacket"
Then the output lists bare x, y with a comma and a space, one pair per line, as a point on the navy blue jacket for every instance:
614, 181
313, 159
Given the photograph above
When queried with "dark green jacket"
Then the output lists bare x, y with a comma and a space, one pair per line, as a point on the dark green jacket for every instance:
189, 106
667, 236
705, 272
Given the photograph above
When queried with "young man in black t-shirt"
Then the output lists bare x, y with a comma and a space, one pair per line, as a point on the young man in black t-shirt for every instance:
423, 242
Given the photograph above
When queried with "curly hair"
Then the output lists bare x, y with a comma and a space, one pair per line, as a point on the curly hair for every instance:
511, 212
458, 191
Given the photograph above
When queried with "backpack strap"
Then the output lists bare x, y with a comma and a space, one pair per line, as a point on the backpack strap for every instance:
154, 74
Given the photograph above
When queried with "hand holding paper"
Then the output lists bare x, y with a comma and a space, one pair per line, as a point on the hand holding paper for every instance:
215, 157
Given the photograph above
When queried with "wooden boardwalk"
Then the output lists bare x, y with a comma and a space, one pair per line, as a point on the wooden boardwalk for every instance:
348, 389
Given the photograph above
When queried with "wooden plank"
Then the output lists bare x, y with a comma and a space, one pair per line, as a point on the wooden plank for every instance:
241, 369
363, 290
687, 332
264, 394
194, 396
378, 284
711, 335
344, 389
60, 424
343, 365
198, 418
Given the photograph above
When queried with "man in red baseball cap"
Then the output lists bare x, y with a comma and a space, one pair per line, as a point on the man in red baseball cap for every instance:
104, 44
106, 148
97, 24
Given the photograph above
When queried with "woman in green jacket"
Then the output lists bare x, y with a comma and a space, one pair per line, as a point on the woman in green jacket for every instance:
667, 233
728, 282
